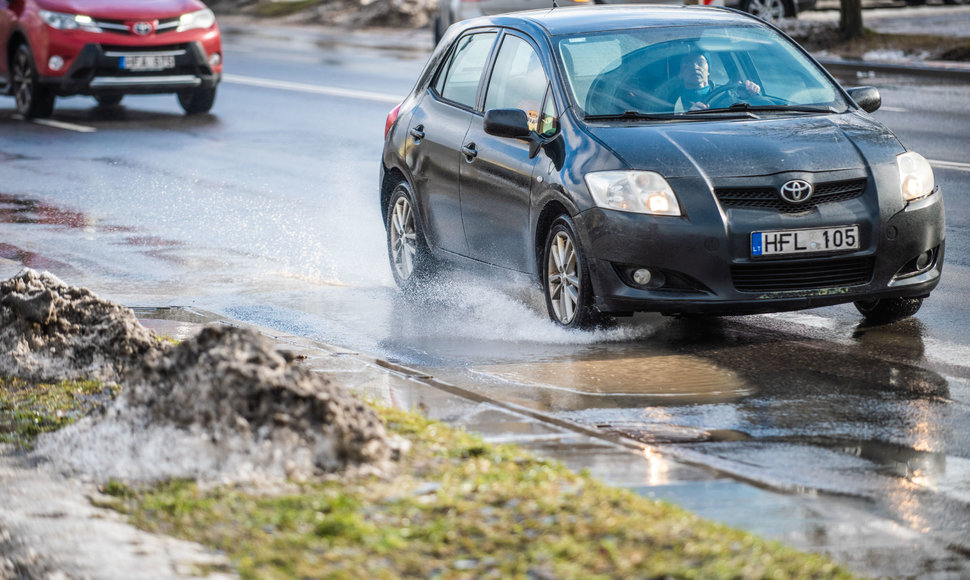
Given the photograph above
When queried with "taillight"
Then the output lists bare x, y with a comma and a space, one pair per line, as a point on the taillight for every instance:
391, 117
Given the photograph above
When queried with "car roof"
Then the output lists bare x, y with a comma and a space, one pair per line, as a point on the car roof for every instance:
599, 18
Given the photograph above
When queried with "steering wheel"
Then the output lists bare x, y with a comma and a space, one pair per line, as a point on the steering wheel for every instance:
720, 94
715, 97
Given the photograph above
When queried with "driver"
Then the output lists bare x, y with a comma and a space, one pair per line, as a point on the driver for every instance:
697, 86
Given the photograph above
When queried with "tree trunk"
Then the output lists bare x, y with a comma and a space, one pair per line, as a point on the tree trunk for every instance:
850, 21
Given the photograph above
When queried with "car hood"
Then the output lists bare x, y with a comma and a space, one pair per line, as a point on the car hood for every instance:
741, 148
123, 9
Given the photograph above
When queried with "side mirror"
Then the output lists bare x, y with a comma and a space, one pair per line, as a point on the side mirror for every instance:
868, 98
511, 123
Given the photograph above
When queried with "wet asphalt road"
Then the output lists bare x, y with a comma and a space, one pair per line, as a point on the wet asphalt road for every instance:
266, 212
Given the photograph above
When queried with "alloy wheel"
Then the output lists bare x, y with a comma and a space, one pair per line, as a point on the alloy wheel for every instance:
562, 278
33, 100
767, 10
23, 81
403, 239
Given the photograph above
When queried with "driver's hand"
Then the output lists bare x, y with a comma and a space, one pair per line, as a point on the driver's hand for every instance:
751, 88
699, 106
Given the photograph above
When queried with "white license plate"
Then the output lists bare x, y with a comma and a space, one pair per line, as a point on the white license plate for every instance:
820, 240
147, 62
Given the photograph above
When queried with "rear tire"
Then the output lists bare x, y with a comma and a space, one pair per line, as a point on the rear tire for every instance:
197, 101
33, 101
436, 32
886, 310
565, 278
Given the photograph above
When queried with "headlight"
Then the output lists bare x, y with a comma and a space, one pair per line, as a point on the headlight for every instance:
202, 19
915, 176
633, 191
63, 21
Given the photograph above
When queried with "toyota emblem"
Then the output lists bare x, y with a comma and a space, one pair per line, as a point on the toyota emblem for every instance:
142, 28
796, 191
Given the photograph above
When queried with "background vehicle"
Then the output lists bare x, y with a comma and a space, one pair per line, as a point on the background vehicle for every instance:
451, 11
552, 143
50, 48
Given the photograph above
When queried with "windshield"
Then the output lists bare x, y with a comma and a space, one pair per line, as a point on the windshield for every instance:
672, 71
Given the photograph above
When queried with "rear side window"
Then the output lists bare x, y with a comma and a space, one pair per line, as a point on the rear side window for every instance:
459, 77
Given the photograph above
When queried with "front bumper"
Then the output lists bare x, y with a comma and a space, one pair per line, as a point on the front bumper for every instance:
97, 70
706, 267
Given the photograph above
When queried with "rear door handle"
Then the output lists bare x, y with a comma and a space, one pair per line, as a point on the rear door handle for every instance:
470, 152
417, 132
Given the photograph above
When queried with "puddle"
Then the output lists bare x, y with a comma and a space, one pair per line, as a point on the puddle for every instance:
17, 210
30, 259
899, 460
666, 378
33, 212
652, 433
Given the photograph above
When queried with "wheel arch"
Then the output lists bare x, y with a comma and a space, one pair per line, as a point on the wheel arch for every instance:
392, 177
550, 211
16, 39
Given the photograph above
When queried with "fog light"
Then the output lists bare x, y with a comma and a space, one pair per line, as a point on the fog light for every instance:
55, 63
923, 261
642, 276
215, 59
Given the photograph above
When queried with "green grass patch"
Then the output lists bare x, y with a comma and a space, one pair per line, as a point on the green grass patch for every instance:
459, 508
279, 9
167, 339
28, 409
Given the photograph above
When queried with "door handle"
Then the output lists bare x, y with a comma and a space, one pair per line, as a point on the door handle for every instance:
417, 132
470, 152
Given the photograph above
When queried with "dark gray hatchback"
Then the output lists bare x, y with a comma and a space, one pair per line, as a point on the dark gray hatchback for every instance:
669, 159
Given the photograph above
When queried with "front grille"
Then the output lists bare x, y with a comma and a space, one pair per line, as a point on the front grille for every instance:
121, 27
108, 63
767, 197
148, 49
802, 274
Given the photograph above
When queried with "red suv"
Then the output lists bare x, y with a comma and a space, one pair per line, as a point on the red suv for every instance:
108, 49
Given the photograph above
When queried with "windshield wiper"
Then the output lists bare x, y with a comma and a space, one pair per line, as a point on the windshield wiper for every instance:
630, 115
737, 109
747, 108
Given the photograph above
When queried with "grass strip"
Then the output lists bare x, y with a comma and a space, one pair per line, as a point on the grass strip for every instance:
280, 9
458, 508
28, 409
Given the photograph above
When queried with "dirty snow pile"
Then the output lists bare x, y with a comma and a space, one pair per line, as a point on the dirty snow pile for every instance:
222, 406
50, 331
350, 13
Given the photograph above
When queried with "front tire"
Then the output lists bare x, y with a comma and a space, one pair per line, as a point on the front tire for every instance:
197, 101
565, 280
886, 310
409, 255
33, 101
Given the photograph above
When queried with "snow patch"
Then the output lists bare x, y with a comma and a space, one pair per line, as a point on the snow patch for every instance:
224, 405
